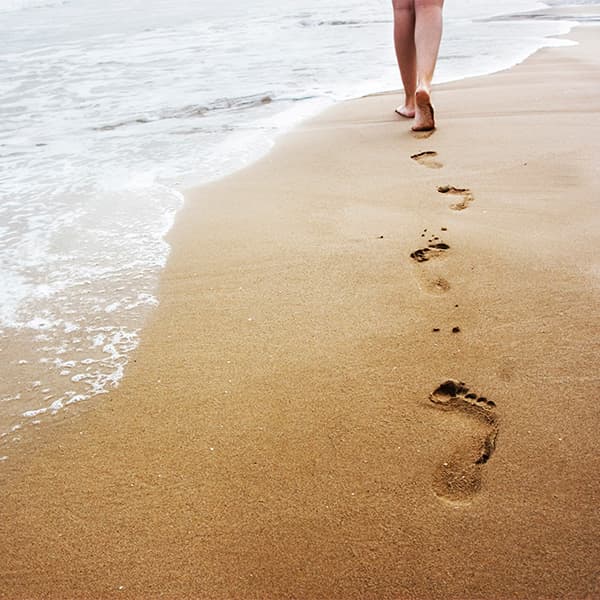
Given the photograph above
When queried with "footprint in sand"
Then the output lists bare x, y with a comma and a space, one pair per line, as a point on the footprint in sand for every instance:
459, 477
465, 196
437, 285
422, 135
432, 251
436, 247
427, 159
432, 282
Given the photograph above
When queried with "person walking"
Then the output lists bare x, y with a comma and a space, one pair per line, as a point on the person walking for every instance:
417, 36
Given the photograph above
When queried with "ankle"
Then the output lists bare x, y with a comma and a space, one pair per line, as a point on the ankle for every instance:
424, 85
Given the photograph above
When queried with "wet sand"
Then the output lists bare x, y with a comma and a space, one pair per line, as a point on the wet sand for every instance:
285, 429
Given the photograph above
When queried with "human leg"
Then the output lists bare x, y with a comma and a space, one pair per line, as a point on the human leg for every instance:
428, 35
404, 42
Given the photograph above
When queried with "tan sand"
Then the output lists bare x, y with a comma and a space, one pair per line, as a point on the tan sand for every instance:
275, 437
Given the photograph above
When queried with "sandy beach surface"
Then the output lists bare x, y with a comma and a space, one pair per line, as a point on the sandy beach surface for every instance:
283, 431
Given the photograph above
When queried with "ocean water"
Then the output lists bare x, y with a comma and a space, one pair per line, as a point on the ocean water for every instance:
109, 109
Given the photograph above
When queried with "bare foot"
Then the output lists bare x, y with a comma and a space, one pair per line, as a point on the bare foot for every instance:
405, 111
424, 113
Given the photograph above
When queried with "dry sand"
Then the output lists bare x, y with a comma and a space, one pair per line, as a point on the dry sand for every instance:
275, 437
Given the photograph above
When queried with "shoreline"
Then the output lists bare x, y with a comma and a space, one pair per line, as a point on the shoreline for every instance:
273, 436
25, 383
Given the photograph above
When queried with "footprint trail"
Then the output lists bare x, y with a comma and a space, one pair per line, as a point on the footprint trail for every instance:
459, 478
427, 159
435, 248
465, 196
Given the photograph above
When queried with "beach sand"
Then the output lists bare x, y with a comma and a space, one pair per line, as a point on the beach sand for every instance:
275, 435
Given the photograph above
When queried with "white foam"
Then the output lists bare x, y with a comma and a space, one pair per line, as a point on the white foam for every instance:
35, 413
16, 5
13, 290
